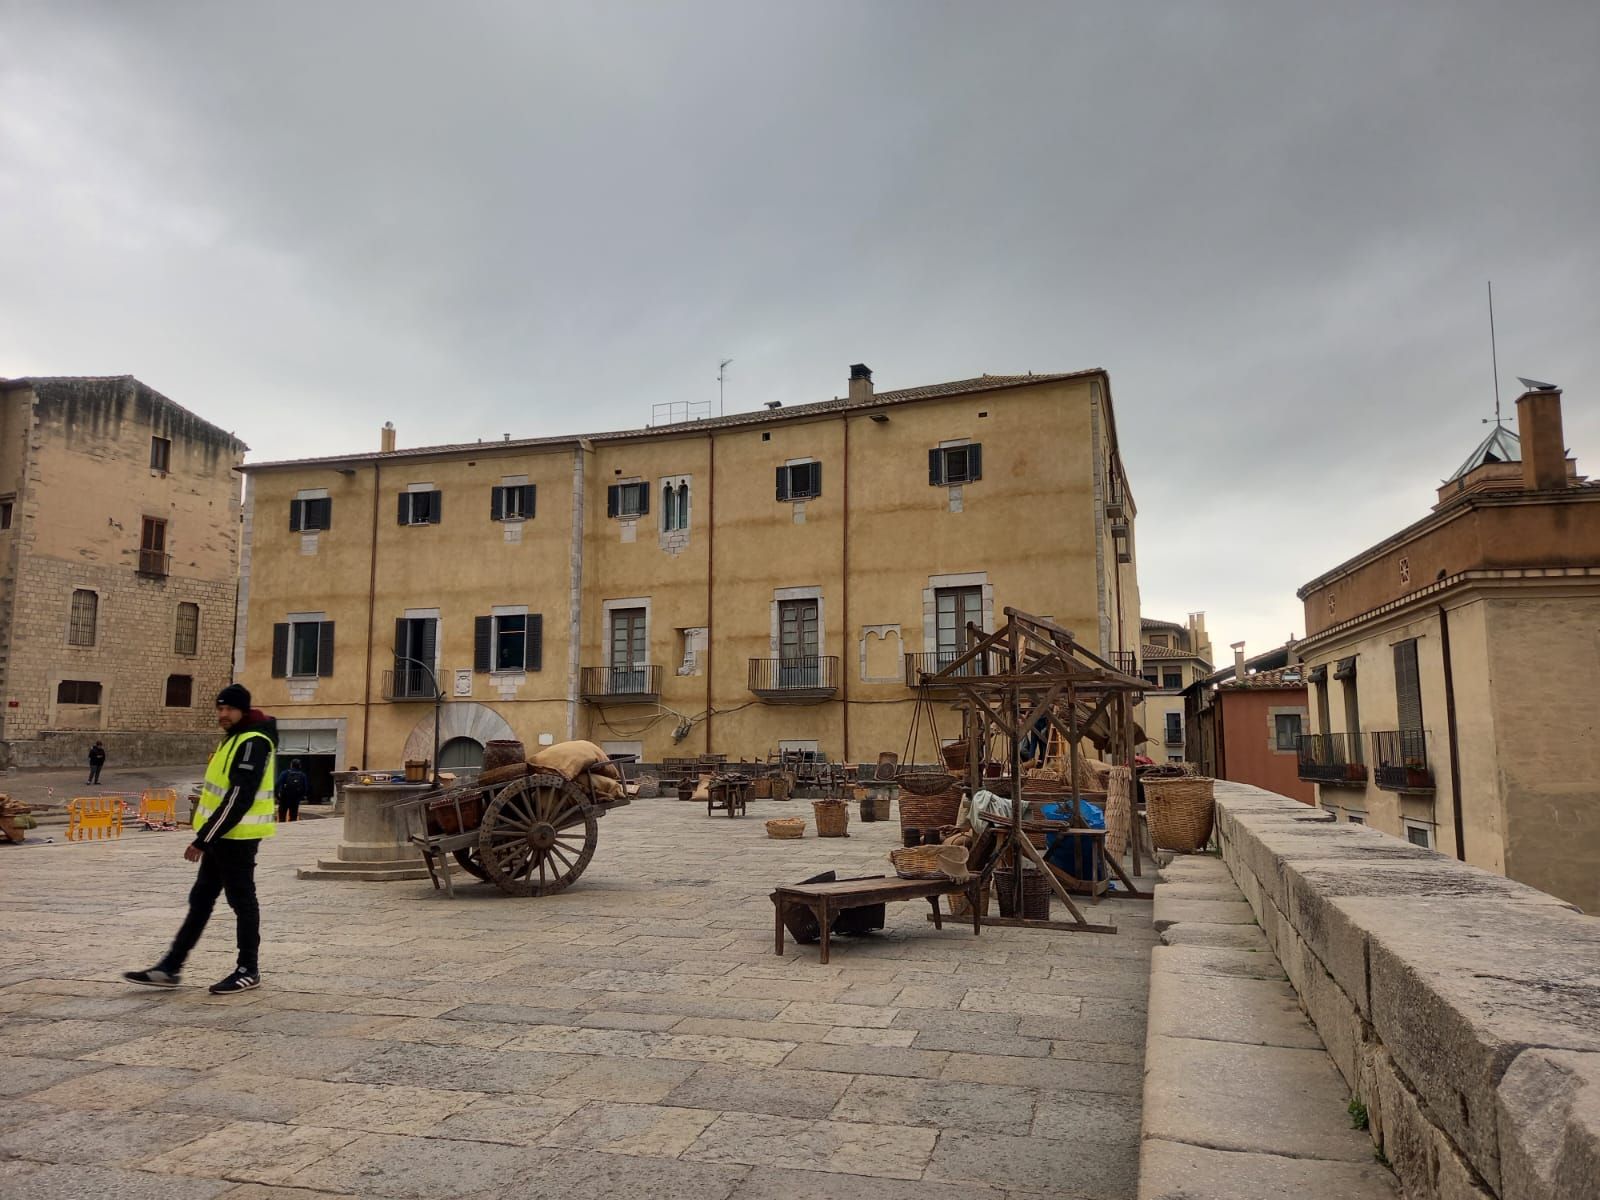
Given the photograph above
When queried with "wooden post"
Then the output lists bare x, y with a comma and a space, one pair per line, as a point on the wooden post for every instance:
1014, 693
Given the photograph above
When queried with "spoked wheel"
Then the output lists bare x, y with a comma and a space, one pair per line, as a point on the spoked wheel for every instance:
537, 836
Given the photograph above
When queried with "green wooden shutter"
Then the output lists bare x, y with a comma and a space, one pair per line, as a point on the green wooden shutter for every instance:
280, 651
482, 644
535, 642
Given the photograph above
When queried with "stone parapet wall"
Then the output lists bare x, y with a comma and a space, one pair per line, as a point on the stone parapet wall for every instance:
71, 749
1462, 1009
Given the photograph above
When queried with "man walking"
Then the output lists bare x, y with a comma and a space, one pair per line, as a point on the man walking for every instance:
234, 813
97, 759
293, 788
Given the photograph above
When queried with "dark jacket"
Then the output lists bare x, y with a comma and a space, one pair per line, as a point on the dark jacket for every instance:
293, 786
244, 776
97, 755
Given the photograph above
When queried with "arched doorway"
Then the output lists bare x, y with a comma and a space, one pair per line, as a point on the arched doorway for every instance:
461, 754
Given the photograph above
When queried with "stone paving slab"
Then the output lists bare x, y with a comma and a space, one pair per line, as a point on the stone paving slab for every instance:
632, 1036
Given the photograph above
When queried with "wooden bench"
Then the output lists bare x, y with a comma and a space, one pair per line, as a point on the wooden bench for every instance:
826, 900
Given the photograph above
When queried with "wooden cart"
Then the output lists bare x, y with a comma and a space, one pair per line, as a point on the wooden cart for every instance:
531, 836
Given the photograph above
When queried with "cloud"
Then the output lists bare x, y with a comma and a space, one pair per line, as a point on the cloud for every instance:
1272, 225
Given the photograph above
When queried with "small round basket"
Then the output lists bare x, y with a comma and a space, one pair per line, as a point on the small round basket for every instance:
1180, 812
786, 827
926, 783
833, 818
917, 862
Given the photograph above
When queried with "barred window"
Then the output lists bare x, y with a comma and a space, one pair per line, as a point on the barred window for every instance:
187, 640
85, 616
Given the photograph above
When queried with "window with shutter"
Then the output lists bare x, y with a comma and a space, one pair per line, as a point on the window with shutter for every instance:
421, 508
308, 515
800, 481
186, 639
955, 464
512, 502
482, 644
628, 500
83, 618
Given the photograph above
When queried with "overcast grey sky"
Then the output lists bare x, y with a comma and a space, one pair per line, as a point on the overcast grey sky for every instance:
1272, 223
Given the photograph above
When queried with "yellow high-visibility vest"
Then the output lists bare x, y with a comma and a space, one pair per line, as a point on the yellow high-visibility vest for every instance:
258, 821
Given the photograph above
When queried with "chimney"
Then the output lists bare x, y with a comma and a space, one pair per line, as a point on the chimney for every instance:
1238, 660
860, 383
386, 445
1544, 450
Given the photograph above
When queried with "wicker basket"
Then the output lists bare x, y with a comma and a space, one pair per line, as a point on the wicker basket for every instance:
761, 788
926, 783
1180, 812
833, 818
455, 814
503, 752
917, 862
960, 906
786, 827
1119, 812
956, 756
1035, 893
918, 811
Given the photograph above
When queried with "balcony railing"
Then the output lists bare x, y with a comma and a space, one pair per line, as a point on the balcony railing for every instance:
919, 666
1125, 661
1174, 736
155, 564
807, 679
1332, 759
1400, 761
616, 684
407, 683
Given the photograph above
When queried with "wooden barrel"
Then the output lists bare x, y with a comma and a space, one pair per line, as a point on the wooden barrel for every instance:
503, 753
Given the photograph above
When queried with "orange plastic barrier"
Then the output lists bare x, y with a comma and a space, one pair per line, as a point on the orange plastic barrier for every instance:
94, 818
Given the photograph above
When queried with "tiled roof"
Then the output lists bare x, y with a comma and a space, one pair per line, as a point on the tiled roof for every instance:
932, 391
1149, 652
1152, 623
1281, 677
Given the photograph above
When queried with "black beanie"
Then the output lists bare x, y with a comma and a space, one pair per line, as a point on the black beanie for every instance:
235, 695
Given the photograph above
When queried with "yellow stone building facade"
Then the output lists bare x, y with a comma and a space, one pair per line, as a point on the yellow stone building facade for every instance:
119, 537
1451, 668
734, 585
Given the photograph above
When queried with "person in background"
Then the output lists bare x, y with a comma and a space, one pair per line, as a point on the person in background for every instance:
97, 759
293, 788
234, 814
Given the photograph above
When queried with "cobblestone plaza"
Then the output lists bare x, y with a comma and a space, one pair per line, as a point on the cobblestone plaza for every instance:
633, 1036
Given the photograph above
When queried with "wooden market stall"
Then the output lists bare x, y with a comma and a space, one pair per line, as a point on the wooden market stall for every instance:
1023, 683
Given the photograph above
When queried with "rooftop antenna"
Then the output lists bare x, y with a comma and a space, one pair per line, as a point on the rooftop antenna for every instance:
722, 370
1494, 357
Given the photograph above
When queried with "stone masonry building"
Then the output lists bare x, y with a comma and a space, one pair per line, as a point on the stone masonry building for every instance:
770, 580
119, 534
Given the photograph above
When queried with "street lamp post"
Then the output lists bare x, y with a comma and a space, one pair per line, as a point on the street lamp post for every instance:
438, 699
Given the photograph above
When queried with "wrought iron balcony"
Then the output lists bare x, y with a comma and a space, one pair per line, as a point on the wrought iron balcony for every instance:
1174, 737
155, 564
1332, 759
808, 679
621, 685
408, 683
1400, 761
920, 668
1125, 661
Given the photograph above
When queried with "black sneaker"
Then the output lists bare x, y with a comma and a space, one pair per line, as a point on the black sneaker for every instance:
154, 977
240, 981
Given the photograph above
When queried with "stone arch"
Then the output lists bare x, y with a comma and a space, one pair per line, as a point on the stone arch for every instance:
457, 719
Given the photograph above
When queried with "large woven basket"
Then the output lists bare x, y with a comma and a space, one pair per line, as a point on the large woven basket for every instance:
917, 862
1035, 893
1180, 812
925, 783
929, 812
833, 818
786, 827
502, 752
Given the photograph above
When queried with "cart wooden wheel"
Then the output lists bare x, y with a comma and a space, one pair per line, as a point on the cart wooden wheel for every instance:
537, 836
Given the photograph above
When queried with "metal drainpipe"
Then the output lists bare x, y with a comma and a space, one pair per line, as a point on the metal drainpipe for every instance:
1450, 732
711, 567
372, 593
844, 576
575, 589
